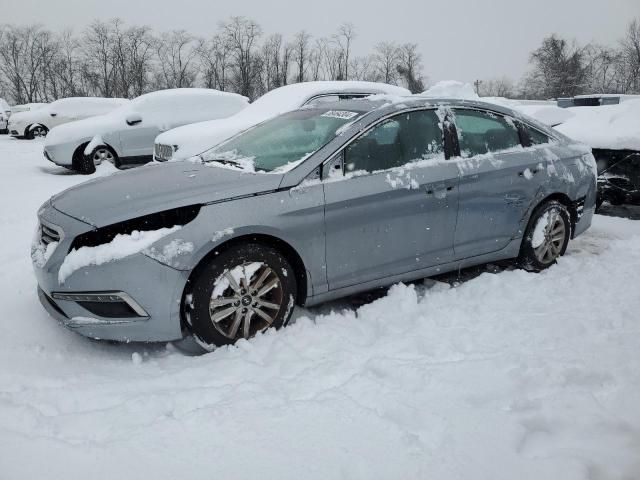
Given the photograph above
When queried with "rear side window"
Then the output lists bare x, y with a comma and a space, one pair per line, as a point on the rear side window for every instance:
405, 138
483, 132
536, 137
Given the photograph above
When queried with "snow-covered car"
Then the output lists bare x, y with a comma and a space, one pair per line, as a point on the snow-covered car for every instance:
312, 205
125, 136
4, 123
27, 107
613, 133
38, 122
5, 113
184, 142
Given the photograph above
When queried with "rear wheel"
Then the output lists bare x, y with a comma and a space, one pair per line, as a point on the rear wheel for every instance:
241, 292
546, 237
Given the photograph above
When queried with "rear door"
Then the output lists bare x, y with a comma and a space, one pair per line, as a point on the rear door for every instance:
390, 201
498, 181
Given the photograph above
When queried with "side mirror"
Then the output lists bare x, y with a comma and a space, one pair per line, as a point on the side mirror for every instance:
133, 119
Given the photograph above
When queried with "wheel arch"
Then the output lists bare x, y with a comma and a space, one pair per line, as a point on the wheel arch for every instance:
562, 198
268, 240
80, 149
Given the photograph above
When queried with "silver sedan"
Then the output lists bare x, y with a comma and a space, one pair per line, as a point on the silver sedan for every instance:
309, 206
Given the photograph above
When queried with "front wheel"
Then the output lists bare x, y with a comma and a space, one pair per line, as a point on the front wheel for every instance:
241, 292
38, 131
546, 237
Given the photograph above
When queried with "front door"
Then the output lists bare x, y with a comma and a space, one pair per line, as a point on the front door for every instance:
391, 208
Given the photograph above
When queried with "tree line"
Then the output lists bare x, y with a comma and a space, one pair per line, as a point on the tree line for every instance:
111, 59
563, 68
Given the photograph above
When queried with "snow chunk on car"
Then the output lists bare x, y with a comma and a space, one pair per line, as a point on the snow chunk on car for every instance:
120, 247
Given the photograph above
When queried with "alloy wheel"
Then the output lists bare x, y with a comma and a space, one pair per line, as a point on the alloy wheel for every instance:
245, 300
102, 155
554, 238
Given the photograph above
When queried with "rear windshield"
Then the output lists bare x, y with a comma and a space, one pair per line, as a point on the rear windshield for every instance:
281, 143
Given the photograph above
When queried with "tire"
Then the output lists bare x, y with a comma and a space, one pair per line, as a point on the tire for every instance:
86, 164
39, 131
217, 306
546, 237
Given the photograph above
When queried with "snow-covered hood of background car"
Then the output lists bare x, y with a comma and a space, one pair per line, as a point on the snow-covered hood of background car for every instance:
25, 118
81, 130
157, 187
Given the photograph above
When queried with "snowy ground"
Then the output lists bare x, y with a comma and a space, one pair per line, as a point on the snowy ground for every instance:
507, 376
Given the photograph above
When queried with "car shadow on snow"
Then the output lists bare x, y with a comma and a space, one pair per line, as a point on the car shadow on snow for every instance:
631, 212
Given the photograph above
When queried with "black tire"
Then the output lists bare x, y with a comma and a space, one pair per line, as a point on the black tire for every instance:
531, 257
241, 302
30, 132
82, 163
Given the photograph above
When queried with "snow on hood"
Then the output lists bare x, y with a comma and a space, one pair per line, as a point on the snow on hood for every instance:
194, 139
609, 126
451, 89
111, 199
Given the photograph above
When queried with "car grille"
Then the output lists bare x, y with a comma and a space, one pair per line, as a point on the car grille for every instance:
162, 152
48, 235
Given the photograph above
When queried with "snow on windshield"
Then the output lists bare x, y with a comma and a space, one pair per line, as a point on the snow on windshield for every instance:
282, 143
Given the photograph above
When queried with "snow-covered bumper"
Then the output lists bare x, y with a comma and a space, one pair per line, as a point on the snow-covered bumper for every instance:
16, 129
133, 299
60, 154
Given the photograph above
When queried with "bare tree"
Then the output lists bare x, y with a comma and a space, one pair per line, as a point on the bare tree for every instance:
559, 68
301, 54
177, 51
631, 56
410, 67
497, 87
242, 36
215, 62
343, 39
385, 62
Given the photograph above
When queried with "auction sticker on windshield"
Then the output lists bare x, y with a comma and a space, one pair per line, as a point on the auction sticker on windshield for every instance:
339, 114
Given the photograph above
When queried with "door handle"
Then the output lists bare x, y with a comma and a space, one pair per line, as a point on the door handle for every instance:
440, 190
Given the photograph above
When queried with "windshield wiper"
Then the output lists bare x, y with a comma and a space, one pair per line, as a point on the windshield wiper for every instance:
224, 161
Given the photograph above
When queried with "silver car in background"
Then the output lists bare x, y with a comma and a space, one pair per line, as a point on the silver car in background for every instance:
315, 204
125, 136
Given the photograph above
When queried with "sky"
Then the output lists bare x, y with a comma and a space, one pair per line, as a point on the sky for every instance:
461, 39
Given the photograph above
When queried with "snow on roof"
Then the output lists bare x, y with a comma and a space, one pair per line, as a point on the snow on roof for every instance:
614, 127
451, 89
293, 96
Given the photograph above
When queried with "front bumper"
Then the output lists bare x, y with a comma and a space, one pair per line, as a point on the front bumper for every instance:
61, 154
154, 288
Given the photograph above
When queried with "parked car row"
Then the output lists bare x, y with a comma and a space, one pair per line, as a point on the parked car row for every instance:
332, 197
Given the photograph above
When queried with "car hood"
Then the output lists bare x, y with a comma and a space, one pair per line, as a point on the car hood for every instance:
87, 128
157, 187
26, 117
196, 138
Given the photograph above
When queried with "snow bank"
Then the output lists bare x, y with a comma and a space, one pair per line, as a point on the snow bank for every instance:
610, 126
120, 247
511, 375
451, 89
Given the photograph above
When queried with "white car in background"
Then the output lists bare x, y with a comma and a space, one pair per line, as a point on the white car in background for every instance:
185, 142
125, 136
37, 123
5, 113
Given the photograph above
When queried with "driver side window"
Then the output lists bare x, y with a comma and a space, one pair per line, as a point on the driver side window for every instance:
397, 141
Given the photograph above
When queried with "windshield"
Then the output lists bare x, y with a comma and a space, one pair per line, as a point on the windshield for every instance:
283, 142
